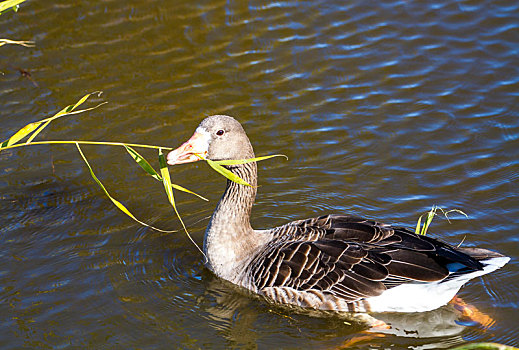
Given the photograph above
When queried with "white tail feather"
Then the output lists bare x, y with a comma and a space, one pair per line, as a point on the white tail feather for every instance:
419, 297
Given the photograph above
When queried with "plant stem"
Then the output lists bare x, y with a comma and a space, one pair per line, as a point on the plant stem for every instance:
122, 144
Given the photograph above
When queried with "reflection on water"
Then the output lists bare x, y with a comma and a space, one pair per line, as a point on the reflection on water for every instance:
383, 110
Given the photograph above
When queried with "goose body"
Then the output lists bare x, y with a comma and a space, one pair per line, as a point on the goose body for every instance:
332, 262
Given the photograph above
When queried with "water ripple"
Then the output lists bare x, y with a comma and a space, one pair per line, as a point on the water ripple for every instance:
383, 110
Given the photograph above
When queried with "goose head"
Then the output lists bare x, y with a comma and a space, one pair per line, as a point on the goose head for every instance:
218, 137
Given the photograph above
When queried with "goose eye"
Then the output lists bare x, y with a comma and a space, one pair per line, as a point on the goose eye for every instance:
220, 132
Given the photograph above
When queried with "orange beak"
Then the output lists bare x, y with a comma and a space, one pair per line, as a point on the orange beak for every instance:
187, 153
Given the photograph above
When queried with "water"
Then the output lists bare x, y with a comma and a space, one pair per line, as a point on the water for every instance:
383, 108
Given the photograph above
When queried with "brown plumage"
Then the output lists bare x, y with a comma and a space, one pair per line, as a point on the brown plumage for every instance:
332, 262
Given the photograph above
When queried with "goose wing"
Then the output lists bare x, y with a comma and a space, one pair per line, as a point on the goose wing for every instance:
351, 258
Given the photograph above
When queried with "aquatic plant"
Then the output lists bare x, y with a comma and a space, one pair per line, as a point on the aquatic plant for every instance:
421, 229
31, 130
10, 5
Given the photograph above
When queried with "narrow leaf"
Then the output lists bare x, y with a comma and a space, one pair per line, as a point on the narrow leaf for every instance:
430, 217
65, 111
183, 189
169, 191
422, 229
80, 102
29, 128
8, 4
418, 230
166, 180
40, 129
149, 169
250, 160
456, 211
20, 134
227, 173
118, 204
143, 163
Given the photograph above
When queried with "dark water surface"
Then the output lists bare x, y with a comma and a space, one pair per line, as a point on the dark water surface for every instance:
384, 109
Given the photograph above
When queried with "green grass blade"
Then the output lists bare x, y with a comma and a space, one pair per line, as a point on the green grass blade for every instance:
9, 4
20, 134
166, 180
227, 173
183, 189
418, 230
250, 160
429, 219
143, 163
70, 108
422, 229
168, 186
41, 124
118, 204
217, 166
66, 111
40, 129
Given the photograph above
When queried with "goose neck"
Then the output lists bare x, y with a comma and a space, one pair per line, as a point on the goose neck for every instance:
230, 239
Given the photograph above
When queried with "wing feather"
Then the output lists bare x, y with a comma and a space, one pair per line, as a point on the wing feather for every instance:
351, 258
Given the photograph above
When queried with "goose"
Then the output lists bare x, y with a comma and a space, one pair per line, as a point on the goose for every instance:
334, 262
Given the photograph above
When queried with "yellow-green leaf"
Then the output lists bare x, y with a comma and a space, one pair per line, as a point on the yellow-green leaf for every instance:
166, 180
118, 204
8, 4
164, 171
422, 229
40, 129
20, 134
80, 102
149, 169
227, 173
217, 166
41, 124
243, 161
418, 226
183, 189
65, 111
143, 163
429, 219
